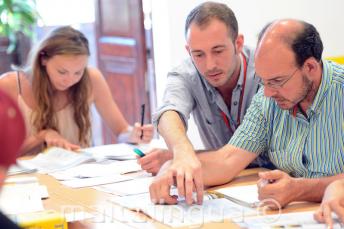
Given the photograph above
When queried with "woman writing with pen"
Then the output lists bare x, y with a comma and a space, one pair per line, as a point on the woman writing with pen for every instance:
57, 89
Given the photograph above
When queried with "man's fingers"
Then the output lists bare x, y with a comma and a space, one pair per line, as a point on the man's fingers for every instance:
327, 215
339, 210
198, 181
160, 190
318, 216
271, 175
153, 193
180, 183
188, 188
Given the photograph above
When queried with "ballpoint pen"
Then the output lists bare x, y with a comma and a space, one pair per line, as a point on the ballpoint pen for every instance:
142, 118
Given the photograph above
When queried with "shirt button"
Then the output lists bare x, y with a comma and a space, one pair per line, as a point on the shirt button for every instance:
235, 103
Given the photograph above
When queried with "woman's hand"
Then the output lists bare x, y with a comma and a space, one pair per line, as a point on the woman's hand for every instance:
141, 134
53, 138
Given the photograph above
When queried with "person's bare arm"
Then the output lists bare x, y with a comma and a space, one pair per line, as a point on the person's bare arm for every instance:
111, 114
185, 167
221, 166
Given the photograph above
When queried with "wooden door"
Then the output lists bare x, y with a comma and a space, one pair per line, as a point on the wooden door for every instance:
122, 56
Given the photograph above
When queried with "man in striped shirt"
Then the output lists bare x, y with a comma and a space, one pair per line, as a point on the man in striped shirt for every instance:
297, 117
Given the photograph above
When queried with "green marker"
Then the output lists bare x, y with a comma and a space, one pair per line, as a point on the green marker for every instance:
139, 152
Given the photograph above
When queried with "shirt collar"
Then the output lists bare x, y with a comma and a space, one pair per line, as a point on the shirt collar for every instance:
324, 86
326, 80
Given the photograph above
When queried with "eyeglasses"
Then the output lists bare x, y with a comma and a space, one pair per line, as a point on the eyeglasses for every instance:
278, 83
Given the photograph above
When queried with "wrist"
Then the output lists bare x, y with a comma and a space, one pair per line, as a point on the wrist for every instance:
41, 135
183, 150
126, 136
308, 189
168, 155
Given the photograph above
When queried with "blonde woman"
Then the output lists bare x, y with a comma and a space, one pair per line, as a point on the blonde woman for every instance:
57, 89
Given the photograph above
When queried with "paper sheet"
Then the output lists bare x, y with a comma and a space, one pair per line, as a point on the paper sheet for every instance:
21, 198
215, 210
247, 193
131, 187
288, 220
88, 182
105, 168
113, 151
55, 159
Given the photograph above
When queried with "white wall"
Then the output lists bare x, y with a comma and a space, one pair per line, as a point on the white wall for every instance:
168, 17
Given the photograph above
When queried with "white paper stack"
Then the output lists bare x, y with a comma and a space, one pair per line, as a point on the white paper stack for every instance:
181, 215
22, 195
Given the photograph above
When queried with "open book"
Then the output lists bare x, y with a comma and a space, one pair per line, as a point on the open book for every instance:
56, 159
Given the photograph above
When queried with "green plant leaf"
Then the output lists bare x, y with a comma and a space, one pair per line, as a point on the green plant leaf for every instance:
15, 16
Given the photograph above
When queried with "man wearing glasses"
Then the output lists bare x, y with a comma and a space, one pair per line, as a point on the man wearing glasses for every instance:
298, 117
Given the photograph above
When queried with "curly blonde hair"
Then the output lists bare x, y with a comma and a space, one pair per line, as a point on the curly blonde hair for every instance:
61, 41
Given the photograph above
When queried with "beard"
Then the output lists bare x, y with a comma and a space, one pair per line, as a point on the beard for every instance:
306, 89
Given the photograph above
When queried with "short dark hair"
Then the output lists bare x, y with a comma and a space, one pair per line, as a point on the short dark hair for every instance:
204, 12
307, 44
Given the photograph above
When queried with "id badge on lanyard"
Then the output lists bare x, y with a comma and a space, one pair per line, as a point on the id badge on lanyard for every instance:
224, 116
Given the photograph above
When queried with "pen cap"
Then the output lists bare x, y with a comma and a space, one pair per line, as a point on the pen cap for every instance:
12, 130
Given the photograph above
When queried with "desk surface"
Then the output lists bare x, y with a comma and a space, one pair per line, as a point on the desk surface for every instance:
64, 199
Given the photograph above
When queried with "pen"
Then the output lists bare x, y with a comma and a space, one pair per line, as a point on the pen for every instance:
142, 118
139, 152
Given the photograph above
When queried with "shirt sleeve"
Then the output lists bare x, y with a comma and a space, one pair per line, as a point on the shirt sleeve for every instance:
251, 135
177, 97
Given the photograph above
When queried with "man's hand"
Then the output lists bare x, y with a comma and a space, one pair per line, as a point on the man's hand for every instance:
186, 174
160, 188
154, 159
333, 201
279, 186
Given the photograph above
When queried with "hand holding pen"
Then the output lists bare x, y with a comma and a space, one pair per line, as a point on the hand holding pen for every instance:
142, 133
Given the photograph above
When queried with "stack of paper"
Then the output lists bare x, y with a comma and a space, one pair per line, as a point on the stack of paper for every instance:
215, 210
22, 195
113, 151
55, 159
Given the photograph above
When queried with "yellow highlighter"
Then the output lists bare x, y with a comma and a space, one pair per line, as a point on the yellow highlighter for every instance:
48, 219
